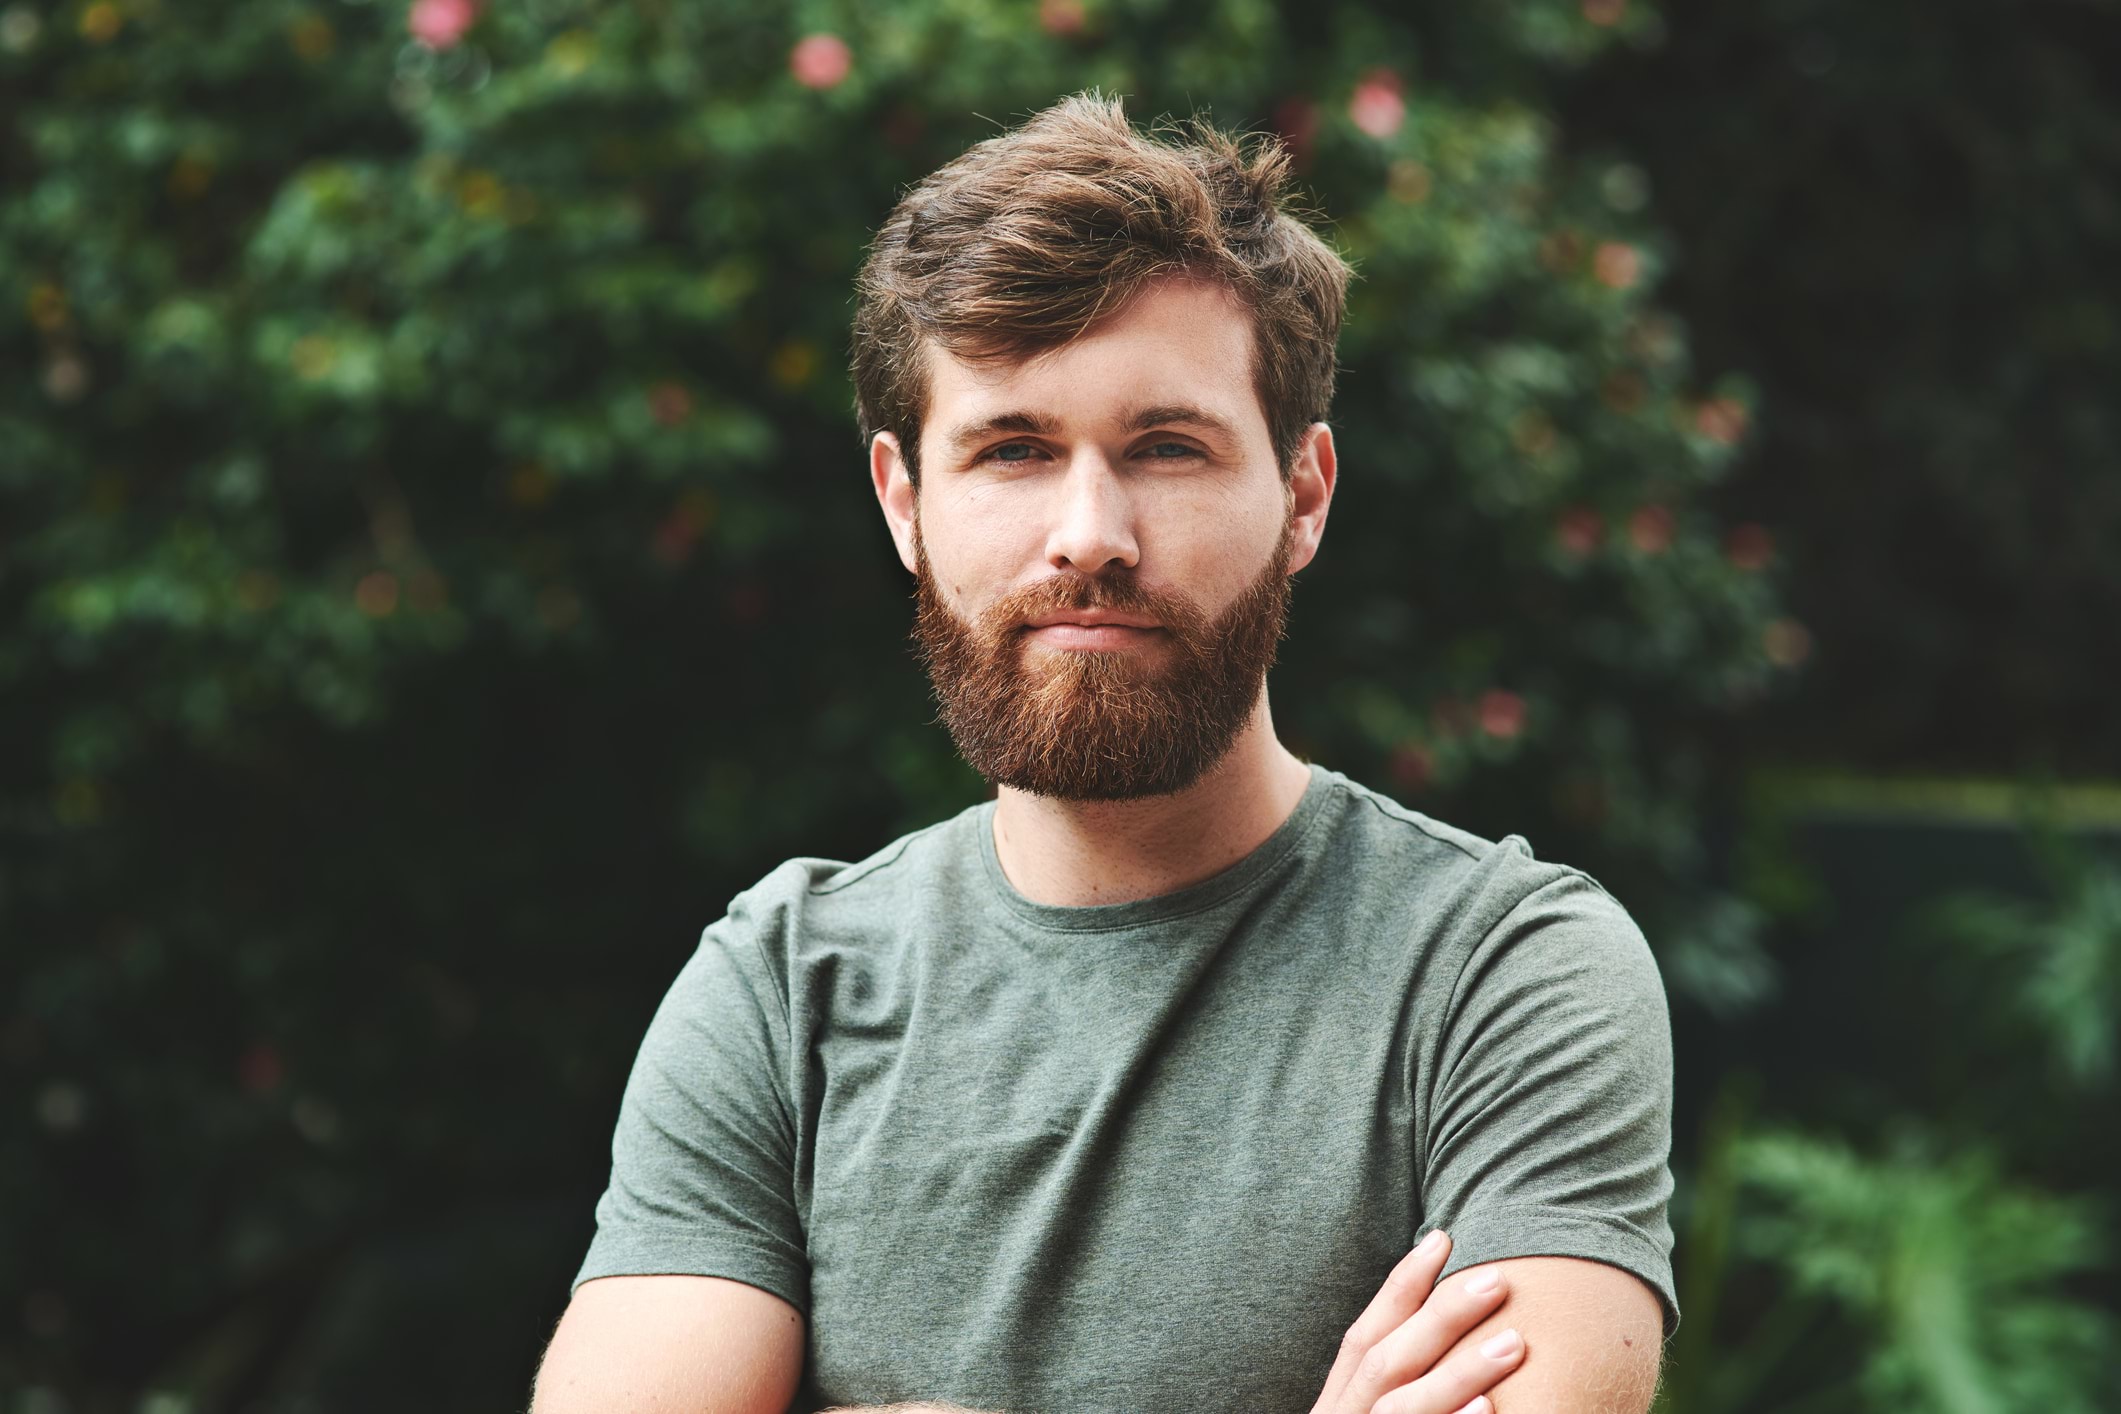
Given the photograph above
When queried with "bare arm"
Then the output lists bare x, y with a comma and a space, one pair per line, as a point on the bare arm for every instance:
664, 1344
1593, 1337
703, 1345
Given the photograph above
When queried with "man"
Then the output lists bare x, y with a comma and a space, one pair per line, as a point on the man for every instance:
1133, 1088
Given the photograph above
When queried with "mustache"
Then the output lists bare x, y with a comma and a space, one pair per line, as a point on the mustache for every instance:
1117, 592
1092, 725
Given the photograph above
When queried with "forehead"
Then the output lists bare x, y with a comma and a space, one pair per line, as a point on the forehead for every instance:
1180, 342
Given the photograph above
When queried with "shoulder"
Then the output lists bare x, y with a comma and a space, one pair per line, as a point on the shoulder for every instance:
810, 896
1468, 886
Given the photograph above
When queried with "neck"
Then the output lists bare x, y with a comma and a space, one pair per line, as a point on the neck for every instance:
1078, 853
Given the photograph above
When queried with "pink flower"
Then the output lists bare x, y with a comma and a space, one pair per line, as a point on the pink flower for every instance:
1787, 643
1377, 107
1617, 264
438, 24
1412, 765
1750, 547
1579, 530
1061, 16
820, 60
1502, 713
1651, 529
669, 403
1296, 121
1721, 420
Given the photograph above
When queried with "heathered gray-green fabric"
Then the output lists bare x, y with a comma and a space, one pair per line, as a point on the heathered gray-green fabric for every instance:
1150, 1155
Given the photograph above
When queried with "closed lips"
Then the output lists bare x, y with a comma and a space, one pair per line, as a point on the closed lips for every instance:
1092, 621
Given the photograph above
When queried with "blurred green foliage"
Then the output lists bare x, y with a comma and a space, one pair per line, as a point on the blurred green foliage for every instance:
1939, 1273
440, 570
1898, 217
2054, 967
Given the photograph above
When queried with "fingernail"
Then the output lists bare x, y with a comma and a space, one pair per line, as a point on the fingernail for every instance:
1431, 1242
1501, 1347
1478, 1406
1481, 1283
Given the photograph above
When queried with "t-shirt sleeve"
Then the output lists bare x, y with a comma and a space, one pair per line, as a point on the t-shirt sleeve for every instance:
702, 1159
1550, 1105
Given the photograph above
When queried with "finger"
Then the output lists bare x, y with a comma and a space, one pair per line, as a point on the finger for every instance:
1405, 1287
1468, 1374
1421, 1340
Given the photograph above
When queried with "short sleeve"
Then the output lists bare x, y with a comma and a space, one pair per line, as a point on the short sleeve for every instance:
702, 1158
1550, 1106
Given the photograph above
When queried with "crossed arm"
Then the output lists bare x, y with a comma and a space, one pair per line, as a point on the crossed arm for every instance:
1589, 1343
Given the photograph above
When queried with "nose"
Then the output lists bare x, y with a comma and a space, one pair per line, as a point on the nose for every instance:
1093, 526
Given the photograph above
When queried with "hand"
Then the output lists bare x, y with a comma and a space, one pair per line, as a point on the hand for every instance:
1392, 1358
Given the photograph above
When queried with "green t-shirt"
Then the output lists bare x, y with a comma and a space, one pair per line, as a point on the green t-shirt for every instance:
1148, 1155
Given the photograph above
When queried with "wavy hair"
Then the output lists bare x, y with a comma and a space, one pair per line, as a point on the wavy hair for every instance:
1026, 239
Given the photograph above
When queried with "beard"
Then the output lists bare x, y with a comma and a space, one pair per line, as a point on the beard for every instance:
1100, 724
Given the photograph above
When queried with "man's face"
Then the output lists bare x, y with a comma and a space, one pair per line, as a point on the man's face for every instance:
1102, 545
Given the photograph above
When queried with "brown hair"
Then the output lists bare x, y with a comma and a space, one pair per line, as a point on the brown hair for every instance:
1022, 242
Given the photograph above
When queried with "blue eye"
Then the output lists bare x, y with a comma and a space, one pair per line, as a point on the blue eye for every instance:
1154, 452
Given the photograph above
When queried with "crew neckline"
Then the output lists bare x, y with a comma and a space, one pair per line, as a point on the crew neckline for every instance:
1157, 908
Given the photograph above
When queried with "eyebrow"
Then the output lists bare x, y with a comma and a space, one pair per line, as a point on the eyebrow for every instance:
1047, 425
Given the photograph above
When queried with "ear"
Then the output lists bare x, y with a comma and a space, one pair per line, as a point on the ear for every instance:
1310, 493
895, 493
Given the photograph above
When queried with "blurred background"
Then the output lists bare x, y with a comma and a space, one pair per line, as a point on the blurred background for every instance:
437, 570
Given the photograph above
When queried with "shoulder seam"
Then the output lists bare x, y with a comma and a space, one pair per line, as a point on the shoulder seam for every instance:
876, 863
1402, 815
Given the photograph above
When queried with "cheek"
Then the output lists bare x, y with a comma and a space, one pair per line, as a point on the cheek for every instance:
1222, 543
971, 568
986, 536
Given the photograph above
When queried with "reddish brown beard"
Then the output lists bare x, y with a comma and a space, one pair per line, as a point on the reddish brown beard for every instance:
1092, 724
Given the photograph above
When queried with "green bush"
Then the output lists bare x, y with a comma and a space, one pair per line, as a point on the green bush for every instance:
440, 571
